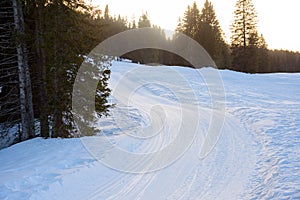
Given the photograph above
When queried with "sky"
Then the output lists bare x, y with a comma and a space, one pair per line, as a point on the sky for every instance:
278, 19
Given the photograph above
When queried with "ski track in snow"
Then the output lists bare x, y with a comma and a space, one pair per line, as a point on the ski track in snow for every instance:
256, 157
271, 112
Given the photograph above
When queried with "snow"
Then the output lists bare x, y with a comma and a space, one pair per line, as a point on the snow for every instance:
256, 157
8, 136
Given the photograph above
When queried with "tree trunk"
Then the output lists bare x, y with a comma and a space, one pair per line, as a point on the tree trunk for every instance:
28, 89
26, 108
57, 123
41, 67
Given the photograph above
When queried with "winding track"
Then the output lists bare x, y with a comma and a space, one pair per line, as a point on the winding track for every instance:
223, 174
256, 157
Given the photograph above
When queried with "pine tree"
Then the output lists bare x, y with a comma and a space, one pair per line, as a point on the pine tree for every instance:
133, 24
263, 55
42, 45
179, 27
70, 32
194, 20
210, 36
205, 29
189, 24
244, 37
144, 21
106, 13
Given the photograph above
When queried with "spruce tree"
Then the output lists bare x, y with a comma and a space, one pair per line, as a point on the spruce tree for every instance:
210, 36
179, 27
205, 29
69, 33
244, 37
189, 24
144, 21
263, 55
106, 13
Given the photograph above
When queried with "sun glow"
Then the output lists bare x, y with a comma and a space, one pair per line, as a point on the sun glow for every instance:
277, 19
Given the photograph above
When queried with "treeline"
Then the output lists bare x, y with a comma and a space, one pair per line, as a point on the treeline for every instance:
44, 42
284, 61
247, 52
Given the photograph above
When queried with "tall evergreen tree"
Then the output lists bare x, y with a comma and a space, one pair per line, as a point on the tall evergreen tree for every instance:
47, 55
244, 37
106, 13
210, 36
144, 21
263, 55
205, 29
179, 27
189, 24
64, 31
67, 38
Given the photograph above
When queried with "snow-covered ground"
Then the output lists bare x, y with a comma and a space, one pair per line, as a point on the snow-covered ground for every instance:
257, 155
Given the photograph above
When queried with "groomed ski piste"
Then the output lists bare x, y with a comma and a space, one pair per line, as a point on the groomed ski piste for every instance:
256, 155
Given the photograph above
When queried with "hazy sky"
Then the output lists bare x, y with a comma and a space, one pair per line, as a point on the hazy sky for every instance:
279, 21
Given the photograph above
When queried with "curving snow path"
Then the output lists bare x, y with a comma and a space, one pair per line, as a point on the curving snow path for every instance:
256, 156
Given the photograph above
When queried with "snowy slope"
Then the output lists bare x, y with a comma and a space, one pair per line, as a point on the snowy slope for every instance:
256, 157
